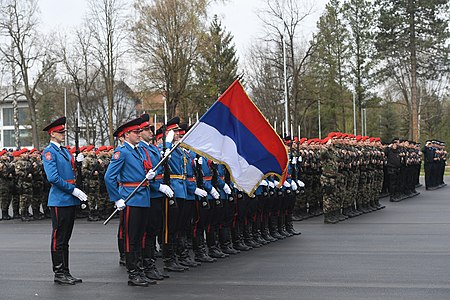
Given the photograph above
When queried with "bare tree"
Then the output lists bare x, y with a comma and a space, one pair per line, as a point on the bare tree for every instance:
108, 25
25, 49
165, 37
282, 19
84, 73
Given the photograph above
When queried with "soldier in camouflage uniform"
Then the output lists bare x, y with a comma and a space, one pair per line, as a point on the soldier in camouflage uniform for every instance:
38, 184
90, 170
328, 180
24, 173
6, 176
105, 207
14, 187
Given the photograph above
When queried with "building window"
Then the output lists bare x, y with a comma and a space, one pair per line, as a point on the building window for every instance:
24, 136
8, 116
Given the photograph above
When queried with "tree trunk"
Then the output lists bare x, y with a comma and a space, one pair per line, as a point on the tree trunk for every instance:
414, 109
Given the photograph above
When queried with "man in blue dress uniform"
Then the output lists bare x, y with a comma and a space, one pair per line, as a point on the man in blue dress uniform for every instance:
63, 199
158, 191
125, 172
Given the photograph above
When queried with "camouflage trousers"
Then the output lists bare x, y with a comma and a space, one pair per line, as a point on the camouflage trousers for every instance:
26, 195
38, 196
92, 192
5, 196
330, 198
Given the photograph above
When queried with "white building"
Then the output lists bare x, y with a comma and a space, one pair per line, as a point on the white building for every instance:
7, 138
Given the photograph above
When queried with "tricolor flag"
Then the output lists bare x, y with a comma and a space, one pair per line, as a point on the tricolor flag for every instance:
234, 132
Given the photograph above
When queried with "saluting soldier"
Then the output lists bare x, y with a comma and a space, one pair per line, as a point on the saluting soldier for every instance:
63, 199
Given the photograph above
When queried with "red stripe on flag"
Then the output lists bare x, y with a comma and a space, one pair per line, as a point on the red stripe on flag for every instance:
242, 107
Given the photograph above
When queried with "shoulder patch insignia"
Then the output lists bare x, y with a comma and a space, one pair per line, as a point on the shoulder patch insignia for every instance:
48, 156
117, 155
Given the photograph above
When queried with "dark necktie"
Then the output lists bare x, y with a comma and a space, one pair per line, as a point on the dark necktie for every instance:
137, 151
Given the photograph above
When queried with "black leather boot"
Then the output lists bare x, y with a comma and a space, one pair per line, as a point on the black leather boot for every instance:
170, 265
5, 215
236, 235
280, 225
290, 225
135, 279
273, 228
225, 241
58, 268
66, 267
184, 258
199, 247
329, 218
24, 216
134, 273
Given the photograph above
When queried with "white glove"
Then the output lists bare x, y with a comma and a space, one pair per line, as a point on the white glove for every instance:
299, 159
300, 183
286, 184
80, 157
165, 153
271, 185
227, 189
166, 190
276, 183
294, 160
200, 160
293, 185
264, 183
150, 174
214, 193
79, 194
200, 192
120, 204
169, 136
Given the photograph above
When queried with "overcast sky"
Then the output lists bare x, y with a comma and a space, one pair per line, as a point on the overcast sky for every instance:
238, 16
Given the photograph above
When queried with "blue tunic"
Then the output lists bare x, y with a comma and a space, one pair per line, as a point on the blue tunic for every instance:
58, 168
127, 168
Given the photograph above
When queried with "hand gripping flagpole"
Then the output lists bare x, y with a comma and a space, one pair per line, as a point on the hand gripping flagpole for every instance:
166, 157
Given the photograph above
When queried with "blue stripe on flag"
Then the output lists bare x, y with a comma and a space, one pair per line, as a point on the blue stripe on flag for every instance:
247, 144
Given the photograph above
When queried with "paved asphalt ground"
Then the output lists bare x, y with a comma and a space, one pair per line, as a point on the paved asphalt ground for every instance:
401, 252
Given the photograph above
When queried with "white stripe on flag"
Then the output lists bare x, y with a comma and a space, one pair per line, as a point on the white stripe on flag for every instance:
208, 140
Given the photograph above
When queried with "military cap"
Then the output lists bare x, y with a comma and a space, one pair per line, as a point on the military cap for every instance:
325, 140
128, 126
33, 150
58, 125
3, 152
173, 124
159, 133
302, 140
183, 128
109, 148
145, 119
90, 147
16, 153
101, 148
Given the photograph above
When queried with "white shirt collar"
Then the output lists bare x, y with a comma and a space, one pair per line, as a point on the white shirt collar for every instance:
131, 145
56, 144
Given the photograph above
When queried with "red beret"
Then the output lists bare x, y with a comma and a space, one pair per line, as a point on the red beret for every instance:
3, 152
90, 147
16, 153
302, 140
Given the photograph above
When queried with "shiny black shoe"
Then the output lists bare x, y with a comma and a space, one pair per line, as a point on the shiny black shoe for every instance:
228, 249
122, 260
62, 279
204, 258
137, 280
241, 246
214, 252
70, 277
152, 273
171, 266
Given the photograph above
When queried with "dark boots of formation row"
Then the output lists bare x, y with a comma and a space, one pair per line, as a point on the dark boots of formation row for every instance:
403, 161
241, 223
435, 160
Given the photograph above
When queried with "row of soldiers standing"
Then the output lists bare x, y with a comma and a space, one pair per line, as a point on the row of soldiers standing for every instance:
435, 160
23, 184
